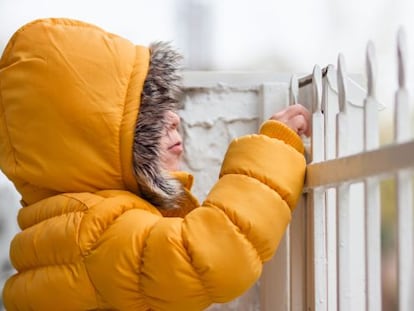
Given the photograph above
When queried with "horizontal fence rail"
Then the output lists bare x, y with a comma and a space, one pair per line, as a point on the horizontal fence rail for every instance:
354, 168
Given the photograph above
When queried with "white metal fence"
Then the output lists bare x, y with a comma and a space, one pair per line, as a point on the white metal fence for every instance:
331, 256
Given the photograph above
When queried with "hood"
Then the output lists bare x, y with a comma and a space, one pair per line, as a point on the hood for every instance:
81, 110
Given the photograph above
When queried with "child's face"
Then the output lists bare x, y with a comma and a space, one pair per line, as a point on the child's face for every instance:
171, 143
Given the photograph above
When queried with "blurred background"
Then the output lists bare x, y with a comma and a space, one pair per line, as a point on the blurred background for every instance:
233, 35
238, 35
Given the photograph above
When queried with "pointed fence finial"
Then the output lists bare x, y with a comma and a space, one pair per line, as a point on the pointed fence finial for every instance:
371, 70
293, 90
317, 89
402, 57
341, 76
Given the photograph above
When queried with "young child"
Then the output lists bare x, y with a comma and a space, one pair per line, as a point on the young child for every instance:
88, 136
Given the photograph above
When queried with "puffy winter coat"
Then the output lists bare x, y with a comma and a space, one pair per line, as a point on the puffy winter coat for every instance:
103, 226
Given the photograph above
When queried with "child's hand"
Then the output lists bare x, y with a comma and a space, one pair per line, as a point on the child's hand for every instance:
296, 117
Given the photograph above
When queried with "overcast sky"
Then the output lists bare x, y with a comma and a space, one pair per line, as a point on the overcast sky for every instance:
285, 36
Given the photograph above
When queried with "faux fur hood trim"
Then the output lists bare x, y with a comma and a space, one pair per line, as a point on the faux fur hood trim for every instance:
161, 93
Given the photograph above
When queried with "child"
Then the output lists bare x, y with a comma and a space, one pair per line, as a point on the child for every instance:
88, 136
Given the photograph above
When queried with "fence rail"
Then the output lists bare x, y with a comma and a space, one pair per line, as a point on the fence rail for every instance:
383, 162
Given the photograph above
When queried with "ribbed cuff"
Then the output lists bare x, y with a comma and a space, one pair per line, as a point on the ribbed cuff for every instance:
279, 130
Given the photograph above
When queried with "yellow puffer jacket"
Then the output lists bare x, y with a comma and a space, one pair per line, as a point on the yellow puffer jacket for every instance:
90, 239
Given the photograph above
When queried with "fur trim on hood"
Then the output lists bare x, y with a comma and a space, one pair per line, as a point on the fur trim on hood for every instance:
161, 93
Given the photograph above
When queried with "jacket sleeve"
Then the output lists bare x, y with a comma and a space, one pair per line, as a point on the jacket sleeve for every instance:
216, 252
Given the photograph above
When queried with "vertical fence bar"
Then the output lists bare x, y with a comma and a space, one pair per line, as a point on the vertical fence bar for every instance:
317, 201
275, 281
372, 193
293, 90
329, 111
404, 187
342, 196
297, 236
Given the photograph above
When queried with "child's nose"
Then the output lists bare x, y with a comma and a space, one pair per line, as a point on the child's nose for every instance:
174, 119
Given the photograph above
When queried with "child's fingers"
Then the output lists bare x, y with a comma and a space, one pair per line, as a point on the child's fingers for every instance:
299, 124
296, 117
290, 112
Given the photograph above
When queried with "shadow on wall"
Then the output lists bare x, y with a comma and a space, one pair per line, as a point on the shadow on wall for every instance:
9, 205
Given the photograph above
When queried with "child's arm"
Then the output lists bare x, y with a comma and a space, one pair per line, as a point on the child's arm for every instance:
216, 252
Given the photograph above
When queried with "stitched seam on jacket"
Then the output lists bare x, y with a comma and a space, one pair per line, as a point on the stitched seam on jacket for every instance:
93, 244
220, 207
208, 294
7, 131
81, 253
141, 263
92, 284
243, 175
87, 207
81, 259
139, 266
123, 115
253, 176
51, 265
